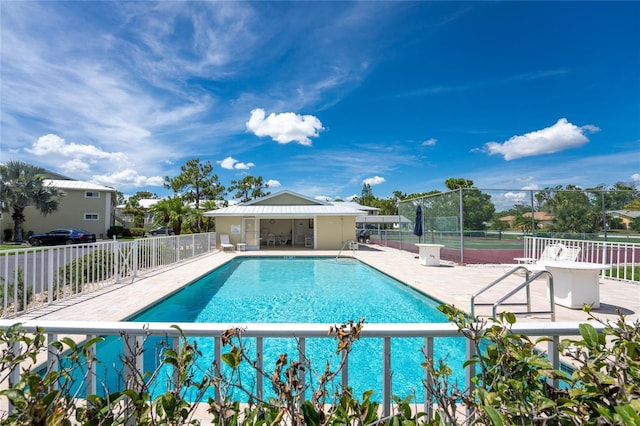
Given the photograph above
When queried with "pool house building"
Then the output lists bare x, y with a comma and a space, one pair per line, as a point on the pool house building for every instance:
287, 219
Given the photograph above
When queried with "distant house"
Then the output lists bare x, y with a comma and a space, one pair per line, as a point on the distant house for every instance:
625, 216
84, 205
287, 219
542, 219
126, 220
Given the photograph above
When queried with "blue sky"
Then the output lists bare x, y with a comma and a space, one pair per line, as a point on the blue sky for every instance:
321, 97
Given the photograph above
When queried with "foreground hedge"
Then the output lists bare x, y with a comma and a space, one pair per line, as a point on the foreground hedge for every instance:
511, 386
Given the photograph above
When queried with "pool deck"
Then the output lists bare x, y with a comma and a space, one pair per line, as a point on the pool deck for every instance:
449, 283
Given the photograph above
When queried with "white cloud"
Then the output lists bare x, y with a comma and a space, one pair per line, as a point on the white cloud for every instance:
73, 157
351, 197
376, 180
635, 177
231, 163
285, 127
128, 178
430, 142
559, 137
273, 183
244, 166
322, 198
54, 145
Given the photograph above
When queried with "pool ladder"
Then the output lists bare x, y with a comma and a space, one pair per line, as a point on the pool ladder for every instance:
525, 285
352, 245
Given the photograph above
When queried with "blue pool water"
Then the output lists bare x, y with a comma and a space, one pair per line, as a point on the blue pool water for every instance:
311, 290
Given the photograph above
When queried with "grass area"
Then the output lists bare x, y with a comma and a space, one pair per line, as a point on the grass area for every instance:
13, 246
624, 273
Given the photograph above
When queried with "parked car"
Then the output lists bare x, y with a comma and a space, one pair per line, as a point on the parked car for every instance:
161, 231
62, 236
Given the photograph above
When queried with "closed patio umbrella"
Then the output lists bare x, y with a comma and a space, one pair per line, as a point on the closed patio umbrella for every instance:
417, 228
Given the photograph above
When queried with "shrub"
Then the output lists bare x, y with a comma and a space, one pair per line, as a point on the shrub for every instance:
92, 267
115, 230
510, 386
137, 232
15, 288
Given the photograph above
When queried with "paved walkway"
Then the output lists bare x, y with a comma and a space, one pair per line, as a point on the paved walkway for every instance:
449, 283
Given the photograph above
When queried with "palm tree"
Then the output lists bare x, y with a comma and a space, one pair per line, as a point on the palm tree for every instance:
134, 208
162, 210
172, 210
22, 185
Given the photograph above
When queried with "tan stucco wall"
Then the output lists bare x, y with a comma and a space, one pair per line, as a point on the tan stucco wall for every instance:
330, 232
70, 214
223, 226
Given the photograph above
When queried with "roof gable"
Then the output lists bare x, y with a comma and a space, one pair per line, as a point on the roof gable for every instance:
285, 198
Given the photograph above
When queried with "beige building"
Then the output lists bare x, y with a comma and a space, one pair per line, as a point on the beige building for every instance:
287, 219
84, 205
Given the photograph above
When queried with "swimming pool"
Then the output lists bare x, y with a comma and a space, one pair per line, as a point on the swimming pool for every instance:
312, 290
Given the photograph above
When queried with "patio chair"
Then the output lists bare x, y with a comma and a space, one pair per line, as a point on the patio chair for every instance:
552, 252
225, 244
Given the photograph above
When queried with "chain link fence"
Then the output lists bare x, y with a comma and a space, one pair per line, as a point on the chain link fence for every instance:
489, 226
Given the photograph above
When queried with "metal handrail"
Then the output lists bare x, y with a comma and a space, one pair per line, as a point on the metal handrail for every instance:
497, 281
552, 305
348, 242
528, 280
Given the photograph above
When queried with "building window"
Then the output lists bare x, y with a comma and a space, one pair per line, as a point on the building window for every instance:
91, 194
91, 216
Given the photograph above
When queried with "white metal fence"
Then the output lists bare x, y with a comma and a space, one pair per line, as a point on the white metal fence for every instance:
301, 332
624, 258
31, 278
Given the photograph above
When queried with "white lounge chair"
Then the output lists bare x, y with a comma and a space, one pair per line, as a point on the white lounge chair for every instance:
550, 252
554, 252
225, 244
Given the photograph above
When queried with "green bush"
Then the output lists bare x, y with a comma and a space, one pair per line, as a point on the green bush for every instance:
115, 230
510, 387
92, 267
137, 232
13, 288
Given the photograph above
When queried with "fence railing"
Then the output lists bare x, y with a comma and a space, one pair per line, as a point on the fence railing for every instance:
33, 277
300, 332
503, 248
624, 258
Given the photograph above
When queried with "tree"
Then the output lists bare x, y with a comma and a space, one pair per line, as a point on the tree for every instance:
477, 206
196, 183
22, 185
457, 183
571, 208
366, 198
142, 195
172, 211
133, 207
162, 210
249, 188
